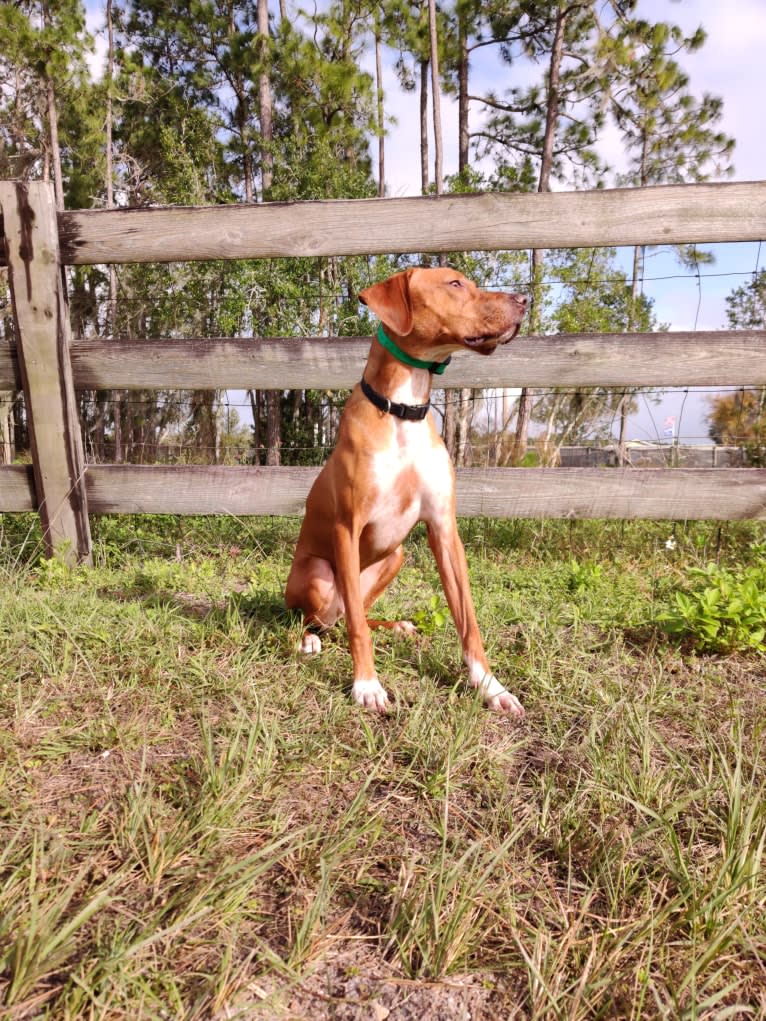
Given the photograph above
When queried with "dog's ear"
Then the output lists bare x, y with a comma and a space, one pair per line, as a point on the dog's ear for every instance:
390, 301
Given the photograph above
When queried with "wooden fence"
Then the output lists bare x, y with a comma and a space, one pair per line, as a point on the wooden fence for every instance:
50, 366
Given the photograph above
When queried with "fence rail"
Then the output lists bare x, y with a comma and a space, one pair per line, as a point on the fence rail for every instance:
489, 222
725, 358
651, 493
49, 366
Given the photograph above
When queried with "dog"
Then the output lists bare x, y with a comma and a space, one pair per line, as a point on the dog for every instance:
390, 469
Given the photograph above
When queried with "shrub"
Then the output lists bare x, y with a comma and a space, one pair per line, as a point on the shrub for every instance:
721, 611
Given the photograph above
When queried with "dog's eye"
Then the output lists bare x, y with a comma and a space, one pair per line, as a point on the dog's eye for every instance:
456, 283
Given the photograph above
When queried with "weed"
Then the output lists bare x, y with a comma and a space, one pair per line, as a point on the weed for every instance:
721, 610
583, 576
432, 617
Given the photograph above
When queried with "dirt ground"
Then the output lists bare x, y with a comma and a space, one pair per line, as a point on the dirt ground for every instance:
352, 983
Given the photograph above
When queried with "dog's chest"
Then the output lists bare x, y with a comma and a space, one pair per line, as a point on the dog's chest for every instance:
411, 480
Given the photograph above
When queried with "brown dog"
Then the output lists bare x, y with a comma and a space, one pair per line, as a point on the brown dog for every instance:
390, 469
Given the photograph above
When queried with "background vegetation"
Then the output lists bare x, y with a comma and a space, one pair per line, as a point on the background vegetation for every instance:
230, 101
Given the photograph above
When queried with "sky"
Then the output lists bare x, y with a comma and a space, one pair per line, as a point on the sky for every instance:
732, 65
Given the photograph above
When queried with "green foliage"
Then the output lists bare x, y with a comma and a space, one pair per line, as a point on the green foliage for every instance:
721, 610
553, 124
586, 292
185, 100
591, 294
56, 573
432, 617
670, 136
746, 305
45, 45
583, 576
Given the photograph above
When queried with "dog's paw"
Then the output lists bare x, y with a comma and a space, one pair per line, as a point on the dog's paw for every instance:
310, 644
370, 695
404, 627
496, 697
505, 703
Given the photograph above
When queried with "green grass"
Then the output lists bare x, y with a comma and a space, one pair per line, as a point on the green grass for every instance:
197, 823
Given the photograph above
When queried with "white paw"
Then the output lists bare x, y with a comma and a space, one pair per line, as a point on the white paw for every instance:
496, 697
370, 695
404, 627
311, 644
506, 703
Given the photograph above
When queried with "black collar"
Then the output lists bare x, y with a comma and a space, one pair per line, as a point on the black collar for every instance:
407, 412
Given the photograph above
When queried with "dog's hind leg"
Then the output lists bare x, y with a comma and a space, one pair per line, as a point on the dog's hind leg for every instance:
312, 589
375, 580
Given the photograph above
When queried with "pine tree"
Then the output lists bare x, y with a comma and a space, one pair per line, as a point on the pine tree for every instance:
408, 31
550, 127
670, 137
593, 296
740, 418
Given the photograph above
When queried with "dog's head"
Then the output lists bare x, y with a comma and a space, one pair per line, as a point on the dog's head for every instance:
440, 310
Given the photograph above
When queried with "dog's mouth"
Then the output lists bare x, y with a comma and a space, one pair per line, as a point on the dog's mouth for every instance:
487, 343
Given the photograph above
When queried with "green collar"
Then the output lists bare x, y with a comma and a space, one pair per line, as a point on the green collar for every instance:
416, 363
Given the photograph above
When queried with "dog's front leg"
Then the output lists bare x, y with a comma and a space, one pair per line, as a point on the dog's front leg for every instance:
366, 689
448, 550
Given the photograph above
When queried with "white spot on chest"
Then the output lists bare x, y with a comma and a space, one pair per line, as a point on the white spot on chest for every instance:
412, 481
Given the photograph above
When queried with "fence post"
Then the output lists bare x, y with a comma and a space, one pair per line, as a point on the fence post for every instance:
43, 335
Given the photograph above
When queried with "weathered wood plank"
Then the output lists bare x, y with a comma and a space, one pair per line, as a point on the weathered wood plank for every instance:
679, 494
653, 359
43, 333
672, 494
488, 222
706, 358
9, 367
163, 489
17, 488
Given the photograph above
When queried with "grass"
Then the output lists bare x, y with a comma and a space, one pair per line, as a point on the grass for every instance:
196, 823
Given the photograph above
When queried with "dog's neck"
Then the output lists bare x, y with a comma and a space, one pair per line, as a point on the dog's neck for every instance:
393, 379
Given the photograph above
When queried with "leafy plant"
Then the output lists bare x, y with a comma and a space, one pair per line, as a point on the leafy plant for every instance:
431, 618
583, 576
723, 611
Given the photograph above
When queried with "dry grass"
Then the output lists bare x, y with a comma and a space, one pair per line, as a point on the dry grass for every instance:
195, 823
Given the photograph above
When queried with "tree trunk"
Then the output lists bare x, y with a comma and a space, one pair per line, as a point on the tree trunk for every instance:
111, 314
255, 407
7, 398
449, 426
424, 176
552, 110
638, 266
380, 112
464, 417
462, 105
6, 427
265, 102
521, 441
436, 98
273, 427
53, 128
205, 421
